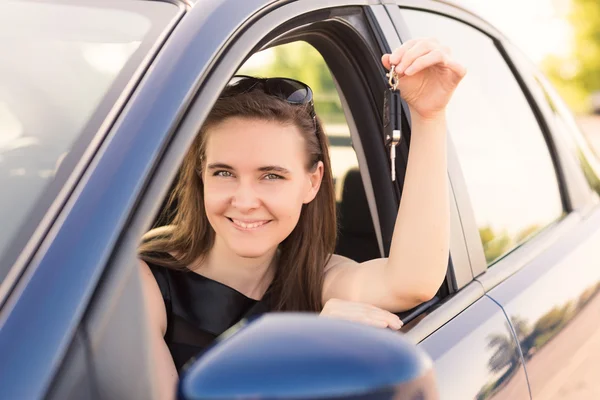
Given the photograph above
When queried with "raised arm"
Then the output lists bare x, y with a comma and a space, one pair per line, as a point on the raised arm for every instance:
418, 256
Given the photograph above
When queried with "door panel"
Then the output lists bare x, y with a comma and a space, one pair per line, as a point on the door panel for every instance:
554, 306
476, 355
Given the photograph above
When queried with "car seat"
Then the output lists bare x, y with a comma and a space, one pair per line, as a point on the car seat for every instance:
356, 235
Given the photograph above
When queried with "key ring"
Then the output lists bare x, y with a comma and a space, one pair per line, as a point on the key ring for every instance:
393, 78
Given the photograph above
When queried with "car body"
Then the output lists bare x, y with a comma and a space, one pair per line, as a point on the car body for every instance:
517, 316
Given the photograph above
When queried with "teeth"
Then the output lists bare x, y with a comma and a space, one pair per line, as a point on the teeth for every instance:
248, 226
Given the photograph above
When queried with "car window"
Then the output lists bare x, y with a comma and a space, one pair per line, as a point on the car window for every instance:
60, 62
301, 61
586, 152
503, 154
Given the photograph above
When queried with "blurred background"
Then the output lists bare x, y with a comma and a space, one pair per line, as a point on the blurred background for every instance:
563, 38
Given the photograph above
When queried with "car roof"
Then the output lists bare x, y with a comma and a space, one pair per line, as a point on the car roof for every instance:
433, 4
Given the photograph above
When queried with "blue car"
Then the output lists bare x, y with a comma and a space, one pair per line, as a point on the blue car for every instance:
99, 101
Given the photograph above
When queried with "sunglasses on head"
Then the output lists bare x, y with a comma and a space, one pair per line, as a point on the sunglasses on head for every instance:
290, 90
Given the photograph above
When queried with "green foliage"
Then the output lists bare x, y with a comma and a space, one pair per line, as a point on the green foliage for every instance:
496, 244
300, 61
576, 76
550, 324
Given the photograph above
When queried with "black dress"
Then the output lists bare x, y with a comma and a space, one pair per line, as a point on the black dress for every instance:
198, 310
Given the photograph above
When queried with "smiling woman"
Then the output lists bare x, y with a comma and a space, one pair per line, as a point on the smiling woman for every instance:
254, 225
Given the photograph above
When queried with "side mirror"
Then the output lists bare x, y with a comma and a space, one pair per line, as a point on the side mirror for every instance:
303, 356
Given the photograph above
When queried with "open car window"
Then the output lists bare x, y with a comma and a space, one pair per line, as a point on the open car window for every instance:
299, 60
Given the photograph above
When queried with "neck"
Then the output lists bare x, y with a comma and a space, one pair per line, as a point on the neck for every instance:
250, 276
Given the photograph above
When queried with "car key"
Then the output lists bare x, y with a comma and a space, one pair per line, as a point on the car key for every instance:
392, 115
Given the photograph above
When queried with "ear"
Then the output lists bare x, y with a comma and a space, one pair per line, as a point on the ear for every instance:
315, 178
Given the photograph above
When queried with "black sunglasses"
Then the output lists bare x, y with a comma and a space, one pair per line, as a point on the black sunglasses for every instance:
290, 90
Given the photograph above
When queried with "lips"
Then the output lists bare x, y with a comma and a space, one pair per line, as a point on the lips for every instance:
248, 225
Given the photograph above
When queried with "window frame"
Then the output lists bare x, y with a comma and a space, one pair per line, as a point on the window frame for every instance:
460, 267
520, 255
266, 31
581, 194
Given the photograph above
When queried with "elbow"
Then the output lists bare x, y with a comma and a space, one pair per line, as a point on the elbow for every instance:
426, 295
430, 290
415, 298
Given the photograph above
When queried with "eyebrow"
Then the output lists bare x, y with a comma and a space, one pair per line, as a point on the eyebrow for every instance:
267, 168
219, 166
274, 168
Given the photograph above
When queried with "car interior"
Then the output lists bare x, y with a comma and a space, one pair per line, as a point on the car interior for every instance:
114, 326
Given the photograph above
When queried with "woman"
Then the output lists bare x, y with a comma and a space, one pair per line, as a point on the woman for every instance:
255, 225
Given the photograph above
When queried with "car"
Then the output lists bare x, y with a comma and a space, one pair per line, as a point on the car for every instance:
100, 99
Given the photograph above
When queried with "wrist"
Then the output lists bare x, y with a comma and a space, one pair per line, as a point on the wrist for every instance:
432, 118
429, 126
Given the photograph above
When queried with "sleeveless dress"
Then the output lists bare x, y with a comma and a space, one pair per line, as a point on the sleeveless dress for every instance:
199, 309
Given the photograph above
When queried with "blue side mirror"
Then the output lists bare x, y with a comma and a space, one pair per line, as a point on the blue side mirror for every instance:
303, 356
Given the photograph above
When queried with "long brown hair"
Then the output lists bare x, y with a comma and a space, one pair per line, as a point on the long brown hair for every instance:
298, 280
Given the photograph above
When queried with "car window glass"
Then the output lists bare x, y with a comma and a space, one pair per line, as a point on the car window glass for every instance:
503, 154
583, 149
59, 63
586, 151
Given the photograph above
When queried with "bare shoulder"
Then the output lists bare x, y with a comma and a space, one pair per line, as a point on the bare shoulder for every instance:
155, 304
338, 261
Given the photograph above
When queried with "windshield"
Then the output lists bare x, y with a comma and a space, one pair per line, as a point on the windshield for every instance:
63, 66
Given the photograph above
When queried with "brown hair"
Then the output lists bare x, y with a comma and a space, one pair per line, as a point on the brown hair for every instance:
298, 280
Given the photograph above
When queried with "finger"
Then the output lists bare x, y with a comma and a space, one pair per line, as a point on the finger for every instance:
393, 59
391, 320
458, 68
385, 60
373, 321
434, 57
418, 50
394, 321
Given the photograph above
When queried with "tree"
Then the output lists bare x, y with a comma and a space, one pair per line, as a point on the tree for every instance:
301, 61
576, 76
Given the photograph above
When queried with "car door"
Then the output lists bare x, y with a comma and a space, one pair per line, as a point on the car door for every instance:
345, 33
135, 169
469, 337
532, 204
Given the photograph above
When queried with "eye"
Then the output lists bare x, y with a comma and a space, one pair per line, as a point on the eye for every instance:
224, 174
271, 177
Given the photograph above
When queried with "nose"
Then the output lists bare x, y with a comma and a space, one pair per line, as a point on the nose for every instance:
245, 198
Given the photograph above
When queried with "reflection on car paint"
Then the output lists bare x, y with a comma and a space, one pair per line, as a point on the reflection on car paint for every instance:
559, 336
476, 355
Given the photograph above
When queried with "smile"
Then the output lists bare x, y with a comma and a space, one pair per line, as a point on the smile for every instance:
248, 226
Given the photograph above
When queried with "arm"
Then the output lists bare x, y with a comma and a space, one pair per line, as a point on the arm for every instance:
419, 252
165, 373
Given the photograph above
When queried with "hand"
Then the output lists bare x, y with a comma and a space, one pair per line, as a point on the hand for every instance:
427, 75
361, 312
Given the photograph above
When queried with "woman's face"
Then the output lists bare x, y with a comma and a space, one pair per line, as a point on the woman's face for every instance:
255, 183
